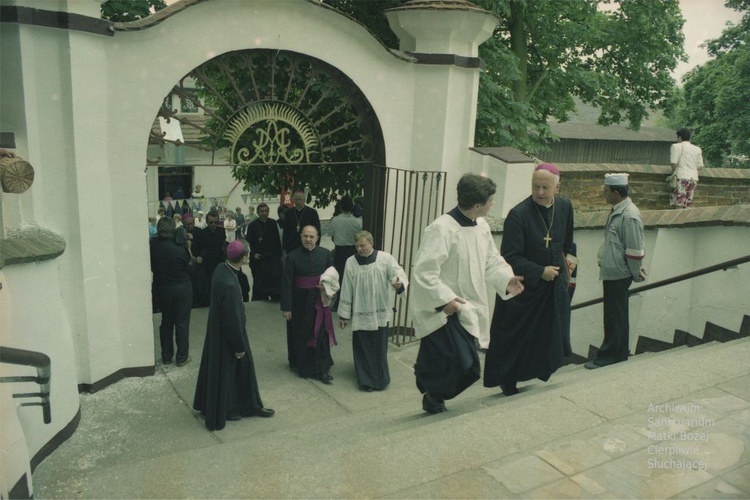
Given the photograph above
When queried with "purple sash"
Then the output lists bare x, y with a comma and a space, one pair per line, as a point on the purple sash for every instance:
323, 314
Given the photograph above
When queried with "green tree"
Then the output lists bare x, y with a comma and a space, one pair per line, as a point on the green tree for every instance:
717, 96
617, 55
130, 10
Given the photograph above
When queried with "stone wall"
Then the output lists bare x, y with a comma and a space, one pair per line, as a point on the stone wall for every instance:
582, 183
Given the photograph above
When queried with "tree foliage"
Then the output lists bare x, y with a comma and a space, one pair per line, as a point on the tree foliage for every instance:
716, 97
617, 55
130, 10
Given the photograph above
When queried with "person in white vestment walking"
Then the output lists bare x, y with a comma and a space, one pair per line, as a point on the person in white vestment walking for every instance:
366, 301
455, 263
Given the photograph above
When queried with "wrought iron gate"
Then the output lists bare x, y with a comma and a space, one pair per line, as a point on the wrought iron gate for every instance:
408, 201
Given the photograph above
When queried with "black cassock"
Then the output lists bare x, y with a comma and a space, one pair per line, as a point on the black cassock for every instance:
294, 221
265, 258
210, 247
311, 362
530, 333
226, 385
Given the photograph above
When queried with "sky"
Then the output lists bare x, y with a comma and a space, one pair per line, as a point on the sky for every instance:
704, 20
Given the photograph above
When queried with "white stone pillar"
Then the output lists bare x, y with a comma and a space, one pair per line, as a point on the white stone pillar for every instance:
444, 37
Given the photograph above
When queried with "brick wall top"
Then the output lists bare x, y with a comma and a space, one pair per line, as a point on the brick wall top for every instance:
738, 215
604, 168
717, 187
722, 197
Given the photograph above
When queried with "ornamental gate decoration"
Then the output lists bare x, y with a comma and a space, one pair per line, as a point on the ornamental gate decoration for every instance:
260, 108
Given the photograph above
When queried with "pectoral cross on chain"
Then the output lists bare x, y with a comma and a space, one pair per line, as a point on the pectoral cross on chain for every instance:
547, 239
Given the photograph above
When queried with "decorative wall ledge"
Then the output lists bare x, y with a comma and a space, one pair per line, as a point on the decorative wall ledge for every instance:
30, 244
738, 215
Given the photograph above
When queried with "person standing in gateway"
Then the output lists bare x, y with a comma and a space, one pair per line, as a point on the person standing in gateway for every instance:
296, 218
227, 388
530, 334
456, 262
265, 255
173, 291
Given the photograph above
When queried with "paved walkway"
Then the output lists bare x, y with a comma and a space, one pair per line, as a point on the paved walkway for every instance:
627, 431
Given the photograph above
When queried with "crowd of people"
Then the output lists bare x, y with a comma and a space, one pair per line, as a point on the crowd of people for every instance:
527, 336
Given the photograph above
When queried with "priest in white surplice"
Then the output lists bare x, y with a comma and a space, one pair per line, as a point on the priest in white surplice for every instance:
456, 262
366, 301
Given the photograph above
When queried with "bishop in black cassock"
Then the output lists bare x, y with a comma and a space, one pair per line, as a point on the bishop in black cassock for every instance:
530, 333
227, 388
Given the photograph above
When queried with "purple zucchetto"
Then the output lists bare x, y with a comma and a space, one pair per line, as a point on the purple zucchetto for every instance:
548, 167
235, 249
186, 216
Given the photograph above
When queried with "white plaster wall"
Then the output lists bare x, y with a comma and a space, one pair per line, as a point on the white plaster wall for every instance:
29, 300
513, 181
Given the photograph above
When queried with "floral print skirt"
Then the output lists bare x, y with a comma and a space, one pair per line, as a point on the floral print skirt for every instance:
682, 196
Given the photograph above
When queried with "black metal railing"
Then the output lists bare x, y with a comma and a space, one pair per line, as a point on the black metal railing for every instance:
43, 366
675, 279
410, 201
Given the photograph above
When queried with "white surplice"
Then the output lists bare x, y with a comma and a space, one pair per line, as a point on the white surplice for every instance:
456, 261
366, 291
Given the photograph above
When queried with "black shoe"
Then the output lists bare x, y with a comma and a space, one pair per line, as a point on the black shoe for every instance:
432, 405
264, 412
326, 378
367, 388
591, 365
233, 417
184, 361
509, 389
166, 361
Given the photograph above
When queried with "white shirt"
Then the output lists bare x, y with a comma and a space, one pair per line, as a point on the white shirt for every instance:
230, 227
342, 229
455, 261
366, 291
688, 158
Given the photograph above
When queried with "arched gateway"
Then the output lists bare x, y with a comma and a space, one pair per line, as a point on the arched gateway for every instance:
275, 117
79, 95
